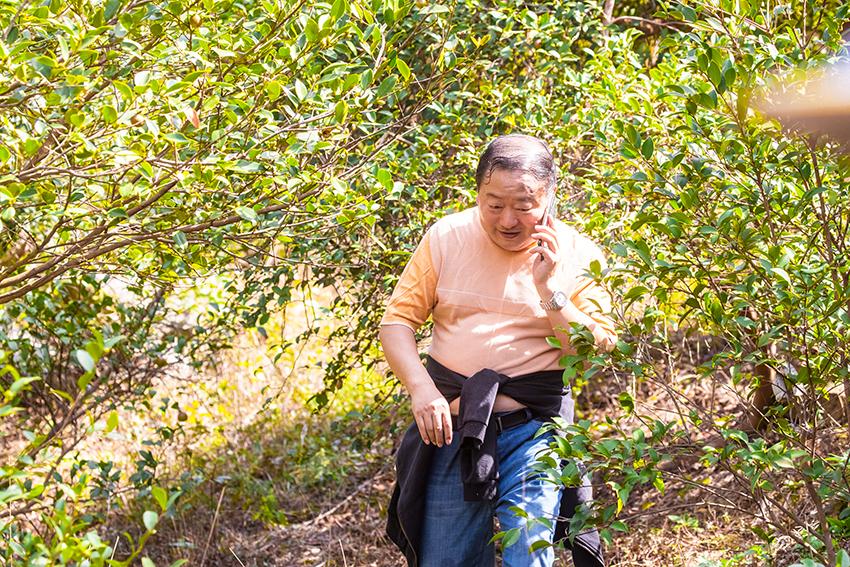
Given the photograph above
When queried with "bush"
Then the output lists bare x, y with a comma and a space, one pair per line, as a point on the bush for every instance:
272, 147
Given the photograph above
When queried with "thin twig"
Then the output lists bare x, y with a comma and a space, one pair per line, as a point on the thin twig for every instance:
212, 527
344, 501
236, 556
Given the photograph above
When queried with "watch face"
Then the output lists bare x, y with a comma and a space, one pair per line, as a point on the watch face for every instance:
560, 299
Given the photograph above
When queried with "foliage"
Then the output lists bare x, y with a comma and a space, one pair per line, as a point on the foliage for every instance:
721, 224
273, 147
144, 144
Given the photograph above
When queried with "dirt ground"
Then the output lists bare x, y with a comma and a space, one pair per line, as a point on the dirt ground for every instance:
253, 506
343, 524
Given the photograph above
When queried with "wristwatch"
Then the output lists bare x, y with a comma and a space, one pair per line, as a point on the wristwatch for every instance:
557, 302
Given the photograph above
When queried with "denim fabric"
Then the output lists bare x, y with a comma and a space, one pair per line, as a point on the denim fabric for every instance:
456, 532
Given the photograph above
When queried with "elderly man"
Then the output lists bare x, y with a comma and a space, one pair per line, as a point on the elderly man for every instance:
497, 279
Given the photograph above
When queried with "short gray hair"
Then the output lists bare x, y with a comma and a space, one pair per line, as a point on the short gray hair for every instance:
518, 152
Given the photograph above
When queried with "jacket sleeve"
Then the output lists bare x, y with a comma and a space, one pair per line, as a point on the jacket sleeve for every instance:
415, 294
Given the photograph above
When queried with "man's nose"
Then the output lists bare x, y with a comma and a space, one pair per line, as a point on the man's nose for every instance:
508, 219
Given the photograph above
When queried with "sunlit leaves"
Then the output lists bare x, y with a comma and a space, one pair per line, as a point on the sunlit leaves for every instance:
167, 143
402, 68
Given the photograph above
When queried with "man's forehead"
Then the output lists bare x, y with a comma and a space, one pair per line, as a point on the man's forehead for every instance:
513, 195
514, 184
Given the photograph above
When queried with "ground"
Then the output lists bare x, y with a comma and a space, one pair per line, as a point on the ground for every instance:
312, 489
267, 478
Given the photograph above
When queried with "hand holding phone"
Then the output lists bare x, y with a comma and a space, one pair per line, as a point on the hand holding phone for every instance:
550, 210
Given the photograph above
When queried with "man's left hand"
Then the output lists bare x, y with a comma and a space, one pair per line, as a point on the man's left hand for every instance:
547, 256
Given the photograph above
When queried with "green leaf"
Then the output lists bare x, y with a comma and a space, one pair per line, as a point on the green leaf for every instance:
161, 497
245, 166
19, 385
658, 483
385, 178
10, 410
340, 111
714, 73
648, 148
146, 562
511, 537
782, 274
111, 421
141, 78
75, 118
273, 89
636, 292
31, 146
435, 9
124, 89
10, 494
339, 9
247, 213
619, 525
311, 30
688, 13
518, 512
300, 90
85, 360
150, 519
43, 65
111, 8
366, 79
84, 380
177, 138
626, 402
180, 239
386, 86
631, 134
842, 559
402, 68
554, 342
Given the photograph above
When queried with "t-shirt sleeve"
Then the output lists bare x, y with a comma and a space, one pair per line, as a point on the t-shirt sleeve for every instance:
593, 299
415, 294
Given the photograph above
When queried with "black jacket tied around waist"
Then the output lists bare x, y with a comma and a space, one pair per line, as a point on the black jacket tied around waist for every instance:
543, 393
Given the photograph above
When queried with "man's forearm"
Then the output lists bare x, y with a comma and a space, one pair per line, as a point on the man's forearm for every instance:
400, 350
430, 408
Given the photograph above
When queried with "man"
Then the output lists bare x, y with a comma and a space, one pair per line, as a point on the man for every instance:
497, 279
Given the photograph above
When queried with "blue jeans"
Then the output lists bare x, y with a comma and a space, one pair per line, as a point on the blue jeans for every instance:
456, 532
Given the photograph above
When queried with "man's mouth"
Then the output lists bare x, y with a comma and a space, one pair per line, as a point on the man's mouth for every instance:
509, 234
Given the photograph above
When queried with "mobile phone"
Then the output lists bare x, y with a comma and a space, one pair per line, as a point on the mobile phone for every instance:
550, 210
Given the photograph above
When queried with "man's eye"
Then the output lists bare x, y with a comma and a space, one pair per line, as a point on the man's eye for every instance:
524, 210
496, 207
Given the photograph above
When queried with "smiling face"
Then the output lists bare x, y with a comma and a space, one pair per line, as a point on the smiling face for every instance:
510, 204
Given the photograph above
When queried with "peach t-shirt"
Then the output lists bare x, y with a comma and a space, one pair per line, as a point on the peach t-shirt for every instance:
482, 298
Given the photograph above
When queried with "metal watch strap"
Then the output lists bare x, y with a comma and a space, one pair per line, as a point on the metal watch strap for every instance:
550, 305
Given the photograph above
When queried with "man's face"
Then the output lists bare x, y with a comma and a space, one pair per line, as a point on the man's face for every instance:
511, 203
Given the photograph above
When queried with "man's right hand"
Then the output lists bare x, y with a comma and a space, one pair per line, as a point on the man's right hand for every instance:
432, 415
430, 408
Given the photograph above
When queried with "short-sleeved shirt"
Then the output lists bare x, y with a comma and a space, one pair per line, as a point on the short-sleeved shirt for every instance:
483, 301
